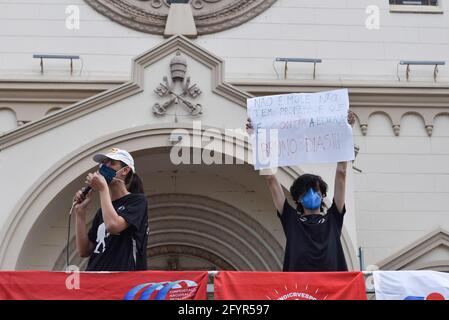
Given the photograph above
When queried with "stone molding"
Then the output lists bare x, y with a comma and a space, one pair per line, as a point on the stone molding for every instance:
390, 99
210, 16
405, 258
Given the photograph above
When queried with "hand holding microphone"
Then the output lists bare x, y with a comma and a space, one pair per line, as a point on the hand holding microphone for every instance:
94, 181
82, 199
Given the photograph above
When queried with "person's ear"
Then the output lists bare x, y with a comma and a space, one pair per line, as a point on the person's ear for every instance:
125, 170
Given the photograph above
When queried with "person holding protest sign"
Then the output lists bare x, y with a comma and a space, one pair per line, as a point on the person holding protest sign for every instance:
312, 233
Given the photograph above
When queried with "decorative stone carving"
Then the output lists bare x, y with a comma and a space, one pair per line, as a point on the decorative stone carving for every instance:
180, 21
364, 129
157, 3
429, 129
396, 129
210, 15
178, 69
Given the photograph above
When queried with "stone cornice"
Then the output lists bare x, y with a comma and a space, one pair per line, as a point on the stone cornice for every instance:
392, 99
65, 92
362, 94
68, 114
267, 87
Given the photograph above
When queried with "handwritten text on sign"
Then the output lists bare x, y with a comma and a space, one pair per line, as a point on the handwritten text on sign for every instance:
300, 128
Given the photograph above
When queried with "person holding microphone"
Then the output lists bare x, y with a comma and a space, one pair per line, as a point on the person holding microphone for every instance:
117, 239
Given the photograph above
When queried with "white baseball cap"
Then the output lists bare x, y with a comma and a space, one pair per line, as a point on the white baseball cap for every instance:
116, 154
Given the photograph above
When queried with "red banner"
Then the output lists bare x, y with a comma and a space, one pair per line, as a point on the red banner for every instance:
142, 285
232, 285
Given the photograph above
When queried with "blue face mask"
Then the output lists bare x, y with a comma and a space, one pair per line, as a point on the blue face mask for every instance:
311, 200
107, 173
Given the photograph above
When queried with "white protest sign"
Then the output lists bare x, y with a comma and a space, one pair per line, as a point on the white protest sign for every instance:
301, 128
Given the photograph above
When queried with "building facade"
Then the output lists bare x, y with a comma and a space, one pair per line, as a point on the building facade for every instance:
56, 113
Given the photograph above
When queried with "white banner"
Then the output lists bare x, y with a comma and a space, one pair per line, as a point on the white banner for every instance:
411, 285
300, 128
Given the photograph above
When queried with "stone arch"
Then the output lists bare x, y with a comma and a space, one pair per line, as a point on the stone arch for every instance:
378, 113
405, 129
386, 114
184, 250
415, 113
8, 119
244, 242
208, 227
439, 121
445, 113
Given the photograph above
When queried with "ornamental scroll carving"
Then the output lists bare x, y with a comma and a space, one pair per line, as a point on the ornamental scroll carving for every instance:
210, 16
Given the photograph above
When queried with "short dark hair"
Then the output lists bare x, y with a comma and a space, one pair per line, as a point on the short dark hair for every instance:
303, 183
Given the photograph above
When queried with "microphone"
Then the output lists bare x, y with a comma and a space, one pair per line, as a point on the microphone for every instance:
86, 190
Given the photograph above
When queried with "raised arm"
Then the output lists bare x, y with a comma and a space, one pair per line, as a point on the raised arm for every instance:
83, 245
113, 221
340, 185
340, 175
277, 194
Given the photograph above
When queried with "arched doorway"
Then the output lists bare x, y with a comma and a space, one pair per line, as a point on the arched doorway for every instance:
213, 217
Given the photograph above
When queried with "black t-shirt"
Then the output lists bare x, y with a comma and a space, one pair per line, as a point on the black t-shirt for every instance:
126, 251
313, 242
